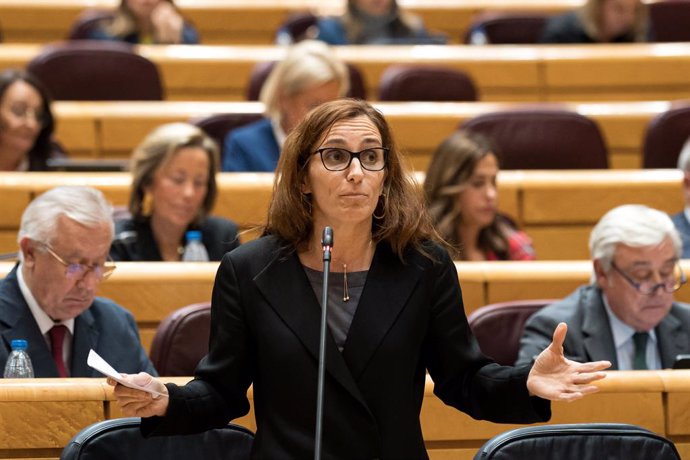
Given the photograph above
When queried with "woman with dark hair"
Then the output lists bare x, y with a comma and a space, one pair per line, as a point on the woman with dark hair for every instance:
394, 312
26, 123
374, 22
173, 191
147, 22
461, 194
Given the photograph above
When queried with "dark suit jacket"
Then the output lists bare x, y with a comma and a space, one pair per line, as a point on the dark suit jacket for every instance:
410, 318
568, 28
104, 326
683, 227
589, 332
134, 241
251, 148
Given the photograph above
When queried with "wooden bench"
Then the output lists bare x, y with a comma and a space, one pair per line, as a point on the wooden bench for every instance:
41, 416
112, 129
152, 290
557, 208
241, 22
501, 73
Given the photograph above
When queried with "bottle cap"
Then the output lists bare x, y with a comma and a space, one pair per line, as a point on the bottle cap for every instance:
19, 344
193, 235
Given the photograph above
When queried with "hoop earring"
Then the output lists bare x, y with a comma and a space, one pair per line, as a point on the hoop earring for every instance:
382, 200
147, 205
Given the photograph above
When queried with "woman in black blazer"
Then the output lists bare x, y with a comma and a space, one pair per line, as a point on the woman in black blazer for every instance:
395, 312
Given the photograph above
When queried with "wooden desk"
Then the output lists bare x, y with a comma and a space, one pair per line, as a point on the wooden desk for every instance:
72, 404
501, 73
112, 129
240, 22
557, 208
152, 290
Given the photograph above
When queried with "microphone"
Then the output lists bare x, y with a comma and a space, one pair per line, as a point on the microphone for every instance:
326, 244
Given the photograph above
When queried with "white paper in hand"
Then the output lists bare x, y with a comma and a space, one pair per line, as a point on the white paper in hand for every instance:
95, 361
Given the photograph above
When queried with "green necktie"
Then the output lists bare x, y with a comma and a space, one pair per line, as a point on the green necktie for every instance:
640, 341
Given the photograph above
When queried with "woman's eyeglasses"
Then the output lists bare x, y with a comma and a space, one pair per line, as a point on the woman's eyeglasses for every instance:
338, 159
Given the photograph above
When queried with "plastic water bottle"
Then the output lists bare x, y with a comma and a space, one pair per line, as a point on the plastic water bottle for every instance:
194, 250
18, 364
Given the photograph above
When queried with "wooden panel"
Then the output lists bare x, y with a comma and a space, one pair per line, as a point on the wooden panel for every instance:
568, 199
113, 129
559, 242
8, 241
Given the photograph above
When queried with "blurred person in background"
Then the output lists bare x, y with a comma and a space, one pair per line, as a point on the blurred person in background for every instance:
147, 22
600, 21
26, 123
173, 191
462, 196
374, 22
309, 75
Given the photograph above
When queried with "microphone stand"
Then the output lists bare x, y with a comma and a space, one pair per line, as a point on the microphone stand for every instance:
327, 244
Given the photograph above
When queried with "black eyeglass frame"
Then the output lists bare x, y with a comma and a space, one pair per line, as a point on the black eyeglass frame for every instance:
352, 154
638, 286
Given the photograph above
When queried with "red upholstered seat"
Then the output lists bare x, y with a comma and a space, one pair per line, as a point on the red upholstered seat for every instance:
90, 70
403, 82
542, 138
181, 340
666, 133
498, 327
501, 28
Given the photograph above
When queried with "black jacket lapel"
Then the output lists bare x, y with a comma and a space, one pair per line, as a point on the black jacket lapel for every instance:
295, 302
673, 340
378, 307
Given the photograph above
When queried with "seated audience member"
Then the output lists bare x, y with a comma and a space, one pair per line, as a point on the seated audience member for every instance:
26, 123
374, 22
600, 21
682, 219
460, 188
49, 298
173, 191
627, 315
147, 22
309, 75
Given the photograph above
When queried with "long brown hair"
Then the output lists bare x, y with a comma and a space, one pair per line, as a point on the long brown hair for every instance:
451, 168
404, 222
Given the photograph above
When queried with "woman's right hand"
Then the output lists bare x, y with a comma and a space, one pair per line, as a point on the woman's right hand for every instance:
138, 403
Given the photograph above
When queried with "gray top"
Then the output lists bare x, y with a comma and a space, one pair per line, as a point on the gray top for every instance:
340, 313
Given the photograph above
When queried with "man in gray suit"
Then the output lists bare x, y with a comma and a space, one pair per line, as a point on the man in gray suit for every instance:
627, 315
682, 219
49, 298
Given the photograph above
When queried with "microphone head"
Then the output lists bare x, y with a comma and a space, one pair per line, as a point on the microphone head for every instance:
327, 236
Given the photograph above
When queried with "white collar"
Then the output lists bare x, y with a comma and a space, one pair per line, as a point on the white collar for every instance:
44, 322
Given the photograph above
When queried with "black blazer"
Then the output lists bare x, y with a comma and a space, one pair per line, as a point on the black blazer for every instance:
410, 319
134, 241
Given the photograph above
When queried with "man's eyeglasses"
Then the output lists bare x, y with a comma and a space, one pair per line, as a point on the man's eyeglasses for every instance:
337, 159
79, 271
670, 283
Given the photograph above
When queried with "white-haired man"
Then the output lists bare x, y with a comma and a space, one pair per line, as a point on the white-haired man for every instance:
49, 298
627, 315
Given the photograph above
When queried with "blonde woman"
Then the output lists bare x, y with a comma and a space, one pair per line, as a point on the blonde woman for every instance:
309, 75
173, 191
147, 22
600, 21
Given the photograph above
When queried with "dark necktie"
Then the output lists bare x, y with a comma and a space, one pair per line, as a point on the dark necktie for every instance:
640, 341
57, 338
